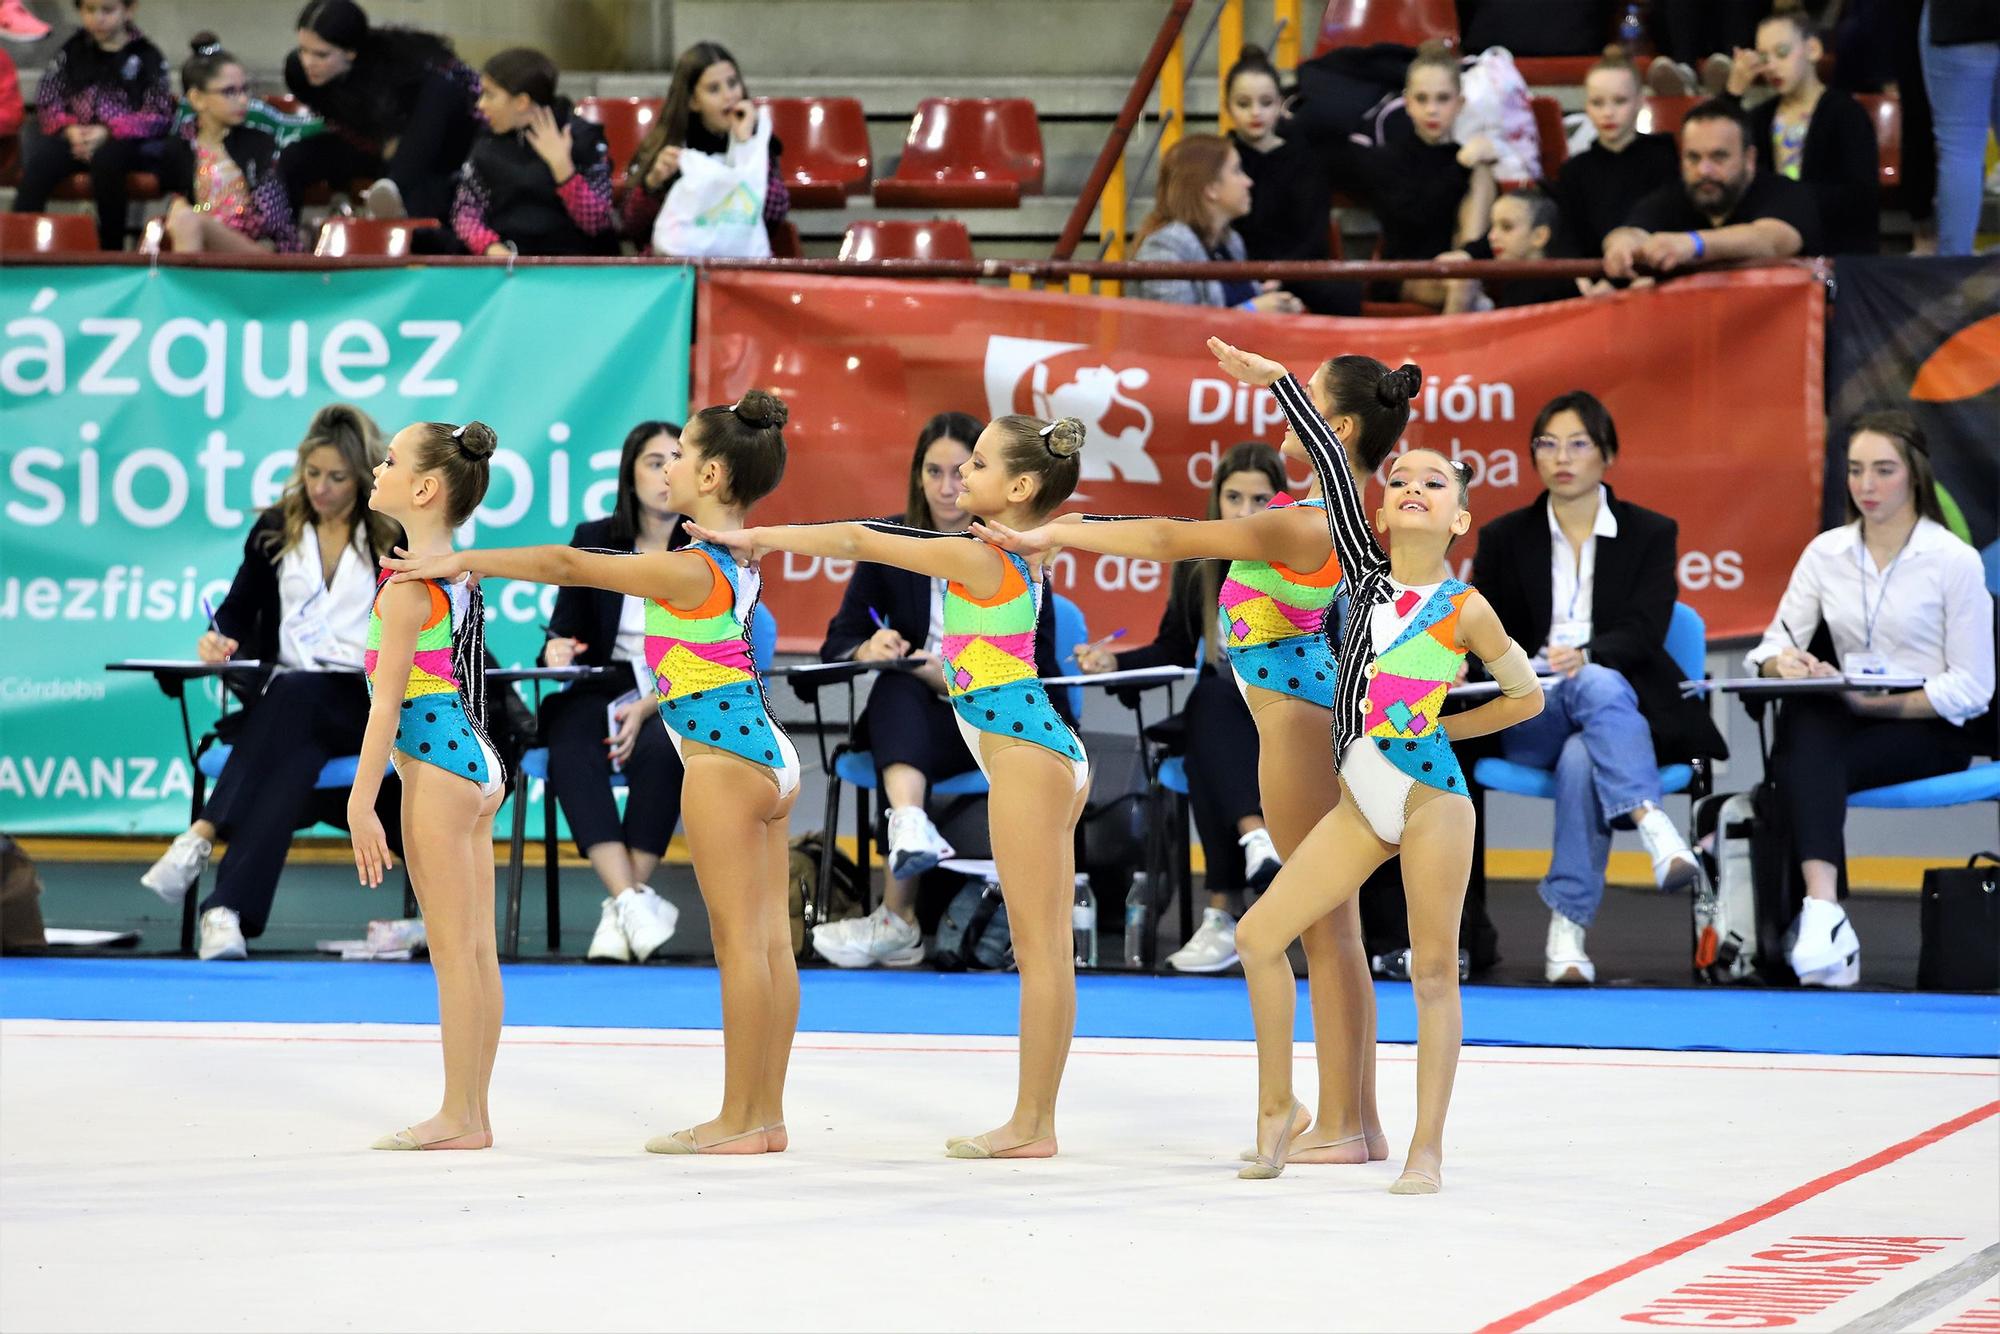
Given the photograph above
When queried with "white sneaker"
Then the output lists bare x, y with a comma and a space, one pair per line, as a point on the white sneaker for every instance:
915, 845
1564, 959
608, 943
1825, 951
1260, 859
647, 920
862, 942
1674, 863
178, 868
222, 935
1212, 947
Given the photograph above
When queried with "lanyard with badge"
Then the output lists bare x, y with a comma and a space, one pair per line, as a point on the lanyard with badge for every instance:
1868, 662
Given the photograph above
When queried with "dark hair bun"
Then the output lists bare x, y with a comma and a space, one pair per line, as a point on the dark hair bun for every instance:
1399, 386
476, 440
1065, 437
760, 409
205, 43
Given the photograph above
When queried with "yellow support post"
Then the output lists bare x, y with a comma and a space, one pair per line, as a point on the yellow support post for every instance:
1079, 284
1173, 95
1021, 282
1111, 222
1228, 46
1285, 18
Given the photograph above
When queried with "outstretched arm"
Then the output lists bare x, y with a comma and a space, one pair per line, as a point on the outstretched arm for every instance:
402, 611
1290, 536
936, 555
1520, 697
680, 578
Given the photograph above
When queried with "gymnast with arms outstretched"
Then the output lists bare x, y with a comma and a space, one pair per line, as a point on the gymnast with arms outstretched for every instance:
1409, 627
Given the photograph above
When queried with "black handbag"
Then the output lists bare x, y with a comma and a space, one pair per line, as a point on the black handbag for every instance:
1961, 927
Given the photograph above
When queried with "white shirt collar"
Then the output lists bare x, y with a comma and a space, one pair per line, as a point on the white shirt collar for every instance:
1928, 535
1604, 525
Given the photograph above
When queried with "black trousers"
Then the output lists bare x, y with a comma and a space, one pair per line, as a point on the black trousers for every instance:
424, 166
1221, 773
1824, 751
574, 723
47, 162
906, 722
266, 792
1692, 30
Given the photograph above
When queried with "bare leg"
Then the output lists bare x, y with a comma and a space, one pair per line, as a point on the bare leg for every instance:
643, 864
613, 864
902, 785
1822, 880
1034, 850
1437, 860
203, 829
784, 970
218, 237
1325, 871
493, 1002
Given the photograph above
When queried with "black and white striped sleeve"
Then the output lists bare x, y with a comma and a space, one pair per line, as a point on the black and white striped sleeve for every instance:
1352, 541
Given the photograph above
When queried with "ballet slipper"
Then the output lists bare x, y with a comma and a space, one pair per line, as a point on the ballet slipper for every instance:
1263, 1167
776, 1138
407, 1139
1373, 1156
981, 1146
1333, 1152
683, 1142
1416, 1181
1249, 1155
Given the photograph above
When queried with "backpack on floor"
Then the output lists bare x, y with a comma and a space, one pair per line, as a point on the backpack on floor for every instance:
1739, 917
973, 933
846, 896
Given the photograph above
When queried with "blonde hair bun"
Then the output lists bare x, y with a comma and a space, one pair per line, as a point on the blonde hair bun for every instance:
1066, 437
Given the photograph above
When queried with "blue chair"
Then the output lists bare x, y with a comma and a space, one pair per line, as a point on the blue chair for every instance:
1687, 645
856, 769
535, 765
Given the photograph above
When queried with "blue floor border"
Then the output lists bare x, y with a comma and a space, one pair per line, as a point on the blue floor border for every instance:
577, 995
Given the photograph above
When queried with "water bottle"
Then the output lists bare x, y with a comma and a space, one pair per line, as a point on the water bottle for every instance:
1632, 31
1083, 923
1138, 918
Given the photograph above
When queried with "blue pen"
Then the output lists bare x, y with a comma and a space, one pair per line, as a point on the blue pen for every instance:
208, 610
1111, 638
881, 621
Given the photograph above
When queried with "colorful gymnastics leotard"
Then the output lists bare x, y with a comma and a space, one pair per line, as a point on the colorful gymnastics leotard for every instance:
1398, 657
709, 690
989, 665
443, 718
1274, 623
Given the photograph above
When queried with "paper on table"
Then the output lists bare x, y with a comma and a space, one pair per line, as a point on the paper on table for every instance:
1780, 683
69, 937
1129, 676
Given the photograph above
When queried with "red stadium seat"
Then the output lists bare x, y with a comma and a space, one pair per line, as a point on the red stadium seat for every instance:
826, 156
1549, 126
140, 186
967, 152
345, 237
284, 103
883, 238
48, 234
625, 121
1887, 113
1663, 115
1406, 22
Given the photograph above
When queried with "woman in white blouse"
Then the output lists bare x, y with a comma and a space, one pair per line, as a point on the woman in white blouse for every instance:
1900, 596
301, 598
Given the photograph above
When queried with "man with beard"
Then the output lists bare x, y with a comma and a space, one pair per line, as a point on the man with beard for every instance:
1724, 207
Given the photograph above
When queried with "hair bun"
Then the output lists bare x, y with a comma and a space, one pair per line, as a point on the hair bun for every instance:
476, 440
761, 409
1400, 385
205, 44
1065, 437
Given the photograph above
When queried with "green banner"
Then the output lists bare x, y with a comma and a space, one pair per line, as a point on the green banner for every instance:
147, 417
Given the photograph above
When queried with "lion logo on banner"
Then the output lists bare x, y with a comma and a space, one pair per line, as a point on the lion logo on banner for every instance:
1050, 380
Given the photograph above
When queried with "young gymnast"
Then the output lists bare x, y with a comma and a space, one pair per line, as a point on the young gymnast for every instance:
742, 773
426, 666
1020, 469
1276, 597
1409, 626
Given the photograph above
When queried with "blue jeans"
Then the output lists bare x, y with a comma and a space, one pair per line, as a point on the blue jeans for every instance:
1964, 86
1590, 731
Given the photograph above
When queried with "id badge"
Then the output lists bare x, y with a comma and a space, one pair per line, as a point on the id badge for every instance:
1569, 634
1860, 663
307, 629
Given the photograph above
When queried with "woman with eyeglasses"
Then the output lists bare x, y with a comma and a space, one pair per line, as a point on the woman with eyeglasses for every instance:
222, 175
1615, 711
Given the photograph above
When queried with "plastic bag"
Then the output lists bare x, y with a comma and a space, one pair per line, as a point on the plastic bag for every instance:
716, 206
1497, 105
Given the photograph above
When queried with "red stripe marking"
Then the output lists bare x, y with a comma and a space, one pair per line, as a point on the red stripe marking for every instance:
1673, 1250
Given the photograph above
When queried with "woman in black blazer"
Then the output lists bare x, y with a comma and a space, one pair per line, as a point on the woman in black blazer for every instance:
907, 725
593, 725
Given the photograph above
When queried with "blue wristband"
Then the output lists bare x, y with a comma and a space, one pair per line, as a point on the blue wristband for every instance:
1700, 246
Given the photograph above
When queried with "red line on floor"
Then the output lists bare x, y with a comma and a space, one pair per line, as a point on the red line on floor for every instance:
1673, 1250
512, 1041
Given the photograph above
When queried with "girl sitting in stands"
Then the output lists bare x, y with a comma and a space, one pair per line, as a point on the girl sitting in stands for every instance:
1203, 190
538, 180
1599, 186
1291, 195
708, 109
103, 105
223, 174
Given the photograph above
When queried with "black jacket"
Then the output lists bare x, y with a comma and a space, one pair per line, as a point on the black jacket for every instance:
250, 613
1839, 165
591, 614
1634, 600
904, 599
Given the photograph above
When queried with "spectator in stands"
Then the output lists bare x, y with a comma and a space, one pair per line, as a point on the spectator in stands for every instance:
707, 108
1429, 194
1202, 191
538, 179
399, 107
1936, 626
1724, 208
1523, 227
1291, 195
1221, 736
221, 175
1812, 134
596, 728
1617, 710
1598, 187
889, 613
103, 107
302, 595
1960, 49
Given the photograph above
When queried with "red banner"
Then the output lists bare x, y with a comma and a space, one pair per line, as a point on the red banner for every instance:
1715, 383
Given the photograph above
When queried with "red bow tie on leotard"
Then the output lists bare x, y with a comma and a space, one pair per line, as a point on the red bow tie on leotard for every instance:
1404, 601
